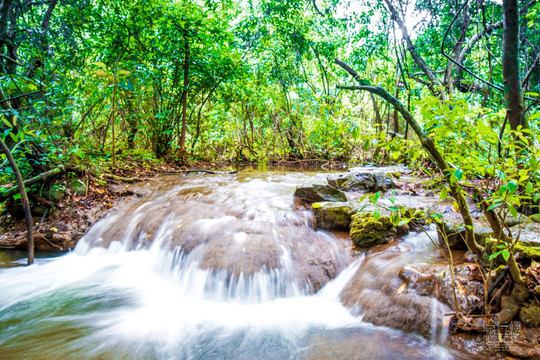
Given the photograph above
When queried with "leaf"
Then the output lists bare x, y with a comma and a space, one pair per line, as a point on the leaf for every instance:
100, 64
101, 73
377, 214
513, 211
53, 229
512, 186
402, 288
395, 219
9, 125
458, 174
124, 72
494, 206
444, 193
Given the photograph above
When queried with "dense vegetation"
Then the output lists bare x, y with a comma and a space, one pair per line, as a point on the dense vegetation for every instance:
448, 87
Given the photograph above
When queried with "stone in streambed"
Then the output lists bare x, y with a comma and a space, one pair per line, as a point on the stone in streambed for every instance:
333, 215
318, 193
358, 181
367, 231
383, 183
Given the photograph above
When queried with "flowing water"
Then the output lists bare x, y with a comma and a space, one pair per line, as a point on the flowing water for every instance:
199, 267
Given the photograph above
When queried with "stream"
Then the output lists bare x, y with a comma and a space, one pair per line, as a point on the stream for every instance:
207, 267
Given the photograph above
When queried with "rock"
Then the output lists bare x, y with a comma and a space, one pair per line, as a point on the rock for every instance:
55, 193
358, 181
380, 296
333, 215
530, 315
76, 186
383, 183
456, 237
528, 250
318, 193
338, 181
522, 349
367, 231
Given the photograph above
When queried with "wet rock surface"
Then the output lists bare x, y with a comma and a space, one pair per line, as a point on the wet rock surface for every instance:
333, 215
358, 181
242, 225
317, 193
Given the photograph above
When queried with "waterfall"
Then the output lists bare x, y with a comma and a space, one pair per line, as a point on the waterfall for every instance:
222, 267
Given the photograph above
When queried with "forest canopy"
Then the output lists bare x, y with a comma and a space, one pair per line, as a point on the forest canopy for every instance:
256, 80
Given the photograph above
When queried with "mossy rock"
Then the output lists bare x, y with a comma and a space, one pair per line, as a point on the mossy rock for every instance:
535, 218
527, 250
338, 181
530, 315
318, 193
55, 193
333, 215
77, 186
367, 231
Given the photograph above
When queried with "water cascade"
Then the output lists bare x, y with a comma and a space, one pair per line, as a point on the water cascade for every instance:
200, 267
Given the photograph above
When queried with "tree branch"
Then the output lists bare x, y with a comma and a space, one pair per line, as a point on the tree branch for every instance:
429, 145
412, 50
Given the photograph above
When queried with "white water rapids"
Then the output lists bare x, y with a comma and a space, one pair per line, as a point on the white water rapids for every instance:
120, 296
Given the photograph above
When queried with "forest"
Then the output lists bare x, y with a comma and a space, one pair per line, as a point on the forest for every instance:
103, 91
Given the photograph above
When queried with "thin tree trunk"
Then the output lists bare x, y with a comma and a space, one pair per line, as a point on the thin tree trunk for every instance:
412, 49
113, 115
24, 198
510, 65
184, 100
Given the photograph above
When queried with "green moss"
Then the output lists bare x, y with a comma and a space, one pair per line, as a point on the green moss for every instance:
368, 231
77, 186
530, 315
528, 251
333, 215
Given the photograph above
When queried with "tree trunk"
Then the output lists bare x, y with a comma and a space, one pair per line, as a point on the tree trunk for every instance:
510, 65
435, 83
24, 198
184, 100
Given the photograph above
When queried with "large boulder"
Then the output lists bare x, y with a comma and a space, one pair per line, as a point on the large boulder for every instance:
317, 193
333, 215
367, 230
